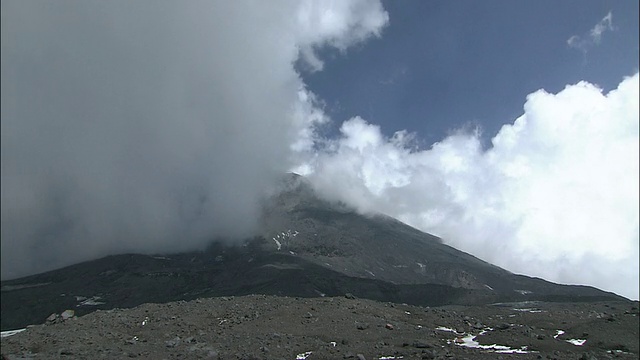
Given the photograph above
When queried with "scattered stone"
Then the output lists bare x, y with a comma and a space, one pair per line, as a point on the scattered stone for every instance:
65, 352
67, 314
421, 345
427, 354
173, 343
198, 331
588, 356
52, 317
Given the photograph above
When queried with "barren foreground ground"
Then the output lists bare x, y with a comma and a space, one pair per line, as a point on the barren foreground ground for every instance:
270, 327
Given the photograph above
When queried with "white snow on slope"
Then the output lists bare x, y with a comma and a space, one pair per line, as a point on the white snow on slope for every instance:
576, 342
8, 333
303, 356
93, 301
284, 237
442, 328
469, 341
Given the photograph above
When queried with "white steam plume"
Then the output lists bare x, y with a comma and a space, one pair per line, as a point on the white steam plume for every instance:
151, 126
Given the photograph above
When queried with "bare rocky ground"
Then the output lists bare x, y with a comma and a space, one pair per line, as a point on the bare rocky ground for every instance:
289, 285
272, 327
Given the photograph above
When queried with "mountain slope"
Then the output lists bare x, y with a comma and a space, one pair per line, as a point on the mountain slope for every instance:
308, 248
380, 247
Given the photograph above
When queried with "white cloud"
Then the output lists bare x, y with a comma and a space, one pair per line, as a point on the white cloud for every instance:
606, 24
152, 126
556, 195
594, 36
336, 23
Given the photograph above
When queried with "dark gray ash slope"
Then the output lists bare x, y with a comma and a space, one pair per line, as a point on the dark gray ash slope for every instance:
307, 248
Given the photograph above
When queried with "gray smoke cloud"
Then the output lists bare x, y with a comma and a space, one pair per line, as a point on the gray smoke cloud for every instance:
152, 126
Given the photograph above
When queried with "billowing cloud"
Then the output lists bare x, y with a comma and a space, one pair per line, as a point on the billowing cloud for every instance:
152, 126
594, 36
555, 196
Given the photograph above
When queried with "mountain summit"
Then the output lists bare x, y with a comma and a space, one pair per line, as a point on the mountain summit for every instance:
307, 247
329, 234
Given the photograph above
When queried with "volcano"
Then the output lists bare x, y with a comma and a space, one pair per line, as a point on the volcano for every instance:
307, 247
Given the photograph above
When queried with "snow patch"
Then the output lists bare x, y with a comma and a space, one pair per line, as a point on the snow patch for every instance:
8, 333
442, 328
470, 341
529, 310
524, 292
576, 342
284, 237
303, 356
93, 301
22, 286
370, 273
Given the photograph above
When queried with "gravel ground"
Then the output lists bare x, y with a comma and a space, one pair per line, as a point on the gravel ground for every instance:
271, 327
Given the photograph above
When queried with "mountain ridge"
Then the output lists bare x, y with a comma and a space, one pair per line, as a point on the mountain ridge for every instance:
307, 247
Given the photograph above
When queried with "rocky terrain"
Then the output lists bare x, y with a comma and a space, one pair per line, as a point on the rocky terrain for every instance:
282, 295
272, 327
307, 247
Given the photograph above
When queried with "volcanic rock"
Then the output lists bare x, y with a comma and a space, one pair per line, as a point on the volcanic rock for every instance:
320, 280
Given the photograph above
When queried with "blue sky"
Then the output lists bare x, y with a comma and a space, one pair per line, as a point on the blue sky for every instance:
442, 65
